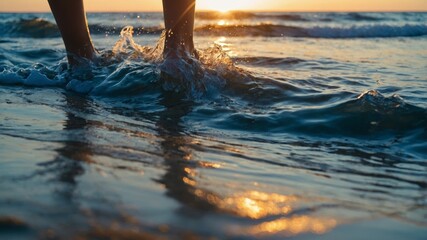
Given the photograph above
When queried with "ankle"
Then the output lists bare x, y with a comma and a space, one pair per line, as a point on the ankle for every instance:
86, 51
179, 48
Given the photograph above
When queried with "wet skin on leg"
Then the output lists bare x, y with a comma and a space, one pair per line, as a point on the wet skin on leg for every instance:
179, 24
71, 20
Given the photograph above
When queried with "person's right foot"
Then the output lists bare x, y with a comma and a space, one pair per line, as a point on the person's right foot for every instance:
179, 50
181, 70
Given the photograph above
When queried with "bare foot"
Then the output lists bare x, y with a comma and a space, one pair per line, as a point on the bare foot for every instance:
181, 69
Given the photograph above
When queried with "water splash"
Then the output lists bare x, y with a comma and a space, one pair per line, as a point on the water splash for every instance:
127, 48
130, 68
195, 76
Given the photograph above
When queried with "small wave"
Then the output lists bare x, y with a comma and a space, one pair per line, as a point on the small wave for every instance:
261, 30
268, 61
238, 15
371, 114
375, 103
355, 16
33, 28
41, 28
369, 31
271, 30
288, 17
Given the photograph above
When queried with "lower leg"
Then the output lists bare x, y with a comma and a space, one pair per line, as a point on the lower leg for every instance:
71, 20
179, 24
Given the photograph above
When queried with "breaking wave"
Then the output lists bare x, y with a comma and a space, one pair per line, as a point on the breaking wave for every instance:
370, 113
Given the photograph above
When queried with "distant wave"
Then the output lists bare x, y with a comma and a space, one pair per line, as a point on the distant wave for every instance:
34, 28
369, 31
247, 15
361, 17
270, 30
352, 16
268, 61
262, 30
40, 28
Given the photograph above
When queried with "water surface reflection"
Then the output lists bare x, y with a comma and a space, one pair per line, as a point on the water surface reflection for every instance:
272, 213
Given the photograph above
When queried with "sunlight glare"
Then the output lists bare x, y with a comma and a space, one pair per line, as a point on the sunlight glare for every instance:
227, 5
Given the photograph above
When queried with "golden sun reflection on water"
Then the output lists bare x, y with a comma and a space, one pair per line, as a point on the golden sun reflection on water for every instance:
222, 42
209, 165
259, 205
294, 226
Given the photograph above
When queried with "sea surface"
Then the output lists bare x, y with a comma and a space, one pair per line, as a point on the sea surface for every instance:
289, 125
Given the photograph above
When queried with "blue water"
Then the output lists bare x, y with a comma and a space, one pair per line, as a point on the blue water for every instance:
290, 125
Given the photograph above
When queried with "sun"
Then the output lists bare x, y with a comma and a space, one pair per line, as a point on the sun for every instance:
226, 5
222, 6
224, 9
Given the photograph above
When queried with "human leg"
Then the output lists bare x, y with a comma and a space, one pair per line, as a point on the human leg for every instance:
71, 20
179, 24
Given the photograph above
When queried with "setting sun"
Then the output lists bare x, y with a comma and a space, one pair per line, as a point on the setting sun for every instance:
227, 5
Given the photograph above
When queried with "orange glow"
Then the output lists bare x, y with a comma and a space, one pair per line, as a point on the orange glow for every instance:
252, 204
221, 22
294, 225
259, 205
209, 165
225, 5
189, 181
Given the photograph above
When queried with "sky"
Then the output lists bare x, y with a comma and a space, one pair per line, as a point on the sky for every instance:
223, 5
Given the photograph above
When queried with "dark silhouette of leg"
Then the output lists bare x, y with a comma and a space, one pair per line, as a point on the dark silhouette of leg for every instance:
179, 24
71, 20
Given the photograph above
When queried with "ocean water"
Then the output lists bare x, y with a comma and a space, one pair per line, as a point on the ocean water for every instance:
290, 125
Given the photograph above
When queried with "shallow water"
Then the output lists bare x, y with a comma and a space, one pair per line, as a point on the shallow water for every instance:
297, 126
